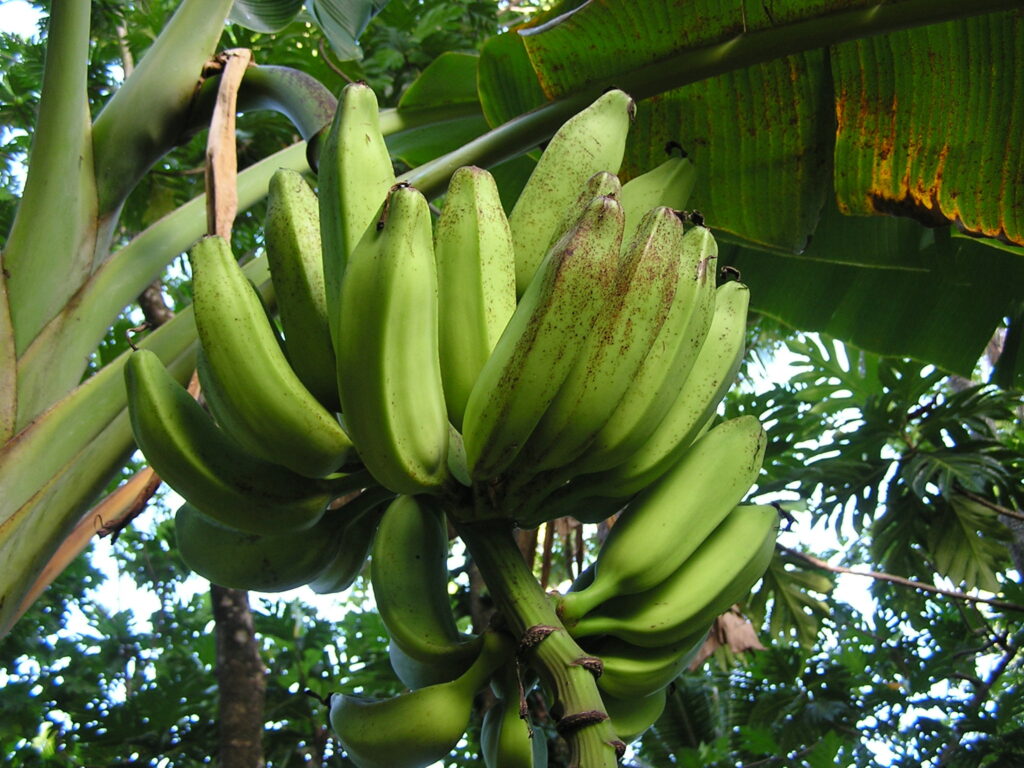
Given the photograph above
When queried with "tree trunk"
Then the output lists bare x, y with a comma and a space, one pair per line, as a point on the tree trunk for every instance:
240, 680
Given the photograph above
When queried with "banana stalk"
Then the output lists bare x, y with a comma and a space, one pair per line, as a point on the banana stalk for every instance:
544, 644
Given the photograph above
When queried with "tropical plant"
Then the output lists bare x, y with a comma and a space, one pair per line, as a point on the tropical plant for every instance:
849, 206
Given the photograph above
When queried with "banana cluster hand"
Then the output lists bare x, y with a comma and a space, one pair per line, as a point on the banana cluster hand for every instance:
328, 556
646, 633
719, 573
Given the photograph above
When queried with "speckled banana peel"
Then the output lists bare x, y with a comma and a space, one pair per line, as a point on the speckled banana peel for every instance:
536, 351
593, 140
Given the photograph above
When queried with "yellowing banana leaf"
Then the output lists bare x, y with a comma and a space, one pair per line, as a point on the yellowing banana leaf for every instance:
929, 123
794, 110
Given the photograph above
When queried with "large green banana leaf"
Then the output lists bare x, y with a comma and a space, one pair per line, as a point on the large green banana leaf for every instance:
796, 112
342, 21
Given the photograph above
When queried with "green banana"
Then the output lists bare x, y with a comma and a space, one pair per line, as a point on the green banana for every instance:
591, 141
207, 467
535, 353
591, 498
291, 235
632, 717
665, 524
624, 331
365, 512
634, 672
668, 184
270, 406
667, 365
476, 281
722, 570
409, 575
416, 674
389, 375
354, 176
506, 737
231, 558
414, 729
712, 375
218, 404
601, 184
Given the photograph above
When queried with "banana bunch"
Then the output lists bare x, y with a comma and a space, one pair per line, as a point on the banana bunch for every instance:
567, 358
264, 465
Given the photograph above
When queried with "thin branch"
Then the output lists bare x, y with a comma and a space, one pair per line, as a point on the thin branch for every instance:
777, 758
127, 60
991, 504
981, 692
903, 582
328, 60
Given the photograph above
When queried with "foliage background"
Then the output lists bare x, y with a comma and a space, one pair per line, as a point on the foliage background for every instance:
877, 457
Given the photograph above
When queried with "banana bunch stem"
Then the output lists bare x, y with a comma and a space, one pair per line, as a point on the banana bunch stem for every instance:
567, 672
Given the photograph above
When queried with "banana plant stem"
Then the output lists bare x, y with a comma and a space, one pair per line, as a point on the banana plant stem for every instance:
567, 673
